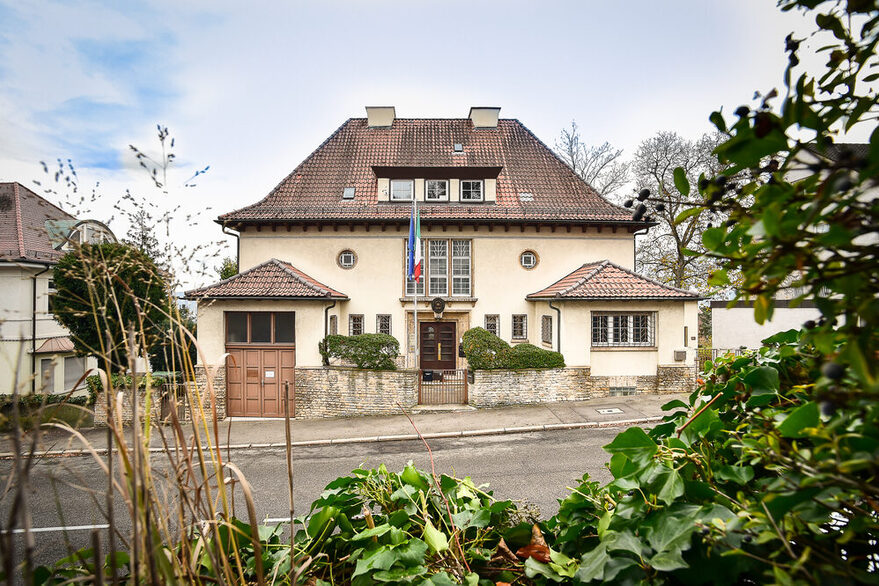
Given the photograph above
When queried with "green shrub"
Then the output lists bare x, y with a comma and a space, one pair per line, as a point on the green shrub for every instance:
481, 348
367, 351
485, 351
530, 356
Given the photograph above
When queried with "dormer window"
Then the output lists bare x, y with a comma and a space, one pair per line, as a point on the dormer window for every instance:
471, 190
436, 190
402, 190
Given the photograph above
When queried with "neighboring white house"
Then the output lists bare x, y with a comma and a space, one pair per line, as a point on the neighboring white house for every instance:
734, 327
36, 353
513, 241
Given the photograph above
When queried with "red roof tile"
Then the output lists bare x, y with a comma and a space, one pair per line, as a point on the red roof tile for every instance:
605, 280
272, 279
313, 191
24, 234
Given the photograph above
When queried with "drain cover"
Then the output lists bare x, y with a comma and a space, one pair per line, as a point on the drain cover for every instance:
609, 411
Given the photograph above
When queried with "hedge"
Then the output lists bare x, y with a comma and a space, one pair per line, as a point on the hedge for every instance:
485, 351
367, 351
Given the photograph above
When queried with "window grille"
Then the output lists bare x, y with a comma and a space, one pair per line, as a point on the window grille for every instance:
493, 324
546, 329
355, 325
383, 324
520, 327
623, 329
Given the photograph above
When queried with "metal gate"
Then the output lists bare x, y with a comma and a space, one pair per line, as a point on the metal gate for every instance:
442, 387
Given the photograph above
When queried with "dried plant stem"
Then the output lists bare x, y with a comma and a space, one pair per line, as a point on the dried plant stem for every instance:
438, 487
289, 446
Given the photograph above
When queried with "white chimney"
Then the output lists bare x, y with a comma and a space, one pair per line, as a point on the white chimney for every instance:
380, 116
484, 116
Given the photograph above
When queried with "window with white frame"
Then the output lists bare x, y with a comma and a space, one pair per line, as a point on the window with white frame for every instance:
402, 189
623, 329
471, 190
447, 269
461, 267
383, 324
546, 329
47, 369
436, 190
347, 259
355, 324
520, 327
438, 267
493, 324
74, 368
334, 325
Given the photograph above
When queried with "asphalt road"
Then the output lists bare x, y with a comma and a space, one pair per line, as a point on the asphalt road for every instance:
534, 467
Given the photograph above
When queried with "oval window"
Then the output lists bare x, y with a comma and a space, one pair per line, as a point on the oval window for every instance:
347, 259
528, 259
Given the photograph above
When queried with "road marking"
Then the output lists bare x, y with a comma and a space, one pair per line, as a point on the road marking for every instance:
51, 529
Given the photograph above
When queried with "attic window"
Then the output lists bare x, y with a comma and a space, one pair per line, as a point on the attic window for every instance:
526, 196
458, 148
348, 193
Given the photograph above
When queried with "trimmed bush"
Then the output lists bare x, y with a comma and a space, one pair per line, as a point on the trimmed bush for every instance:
367, 351
530, 356
482, 348
485, 351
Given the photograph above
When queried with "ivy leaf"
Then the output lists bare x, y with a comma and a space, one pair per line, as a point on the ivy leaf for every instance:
670, 485
592, 564
802, 417
435, 538
634, 444
738, 474
668, 561
623, 540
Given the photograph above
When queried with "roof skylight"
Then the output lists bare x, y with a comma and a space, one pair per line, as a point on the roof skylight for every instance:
526, 196
348, 193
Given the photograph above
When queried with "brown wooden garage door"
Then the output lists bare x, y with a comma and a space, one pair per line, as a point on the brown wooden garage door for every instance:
255, 379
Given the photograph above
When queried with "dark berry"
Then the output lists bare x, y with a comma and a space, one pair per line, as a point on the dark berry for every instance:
747, 539
660, 207
832, 370
703, 184
639, 212
742, 111
809, 324
730, 223
628, 203
643, 194
828, 408
720, 180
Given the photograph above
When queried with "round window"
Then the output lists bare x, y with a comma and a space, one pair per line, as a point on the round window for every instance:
528, 259
347, 259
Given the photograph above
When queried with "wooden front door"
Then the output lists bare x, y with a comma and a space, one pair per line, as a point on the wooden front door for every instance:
255, 378
439, 345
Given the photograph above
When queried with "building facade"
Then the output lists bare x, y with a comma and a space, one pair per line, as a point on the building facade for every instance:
513, 241
36, 352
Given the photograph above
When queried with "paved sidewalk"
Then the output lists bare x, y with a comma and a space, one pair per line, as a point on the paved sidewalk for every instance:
432, 423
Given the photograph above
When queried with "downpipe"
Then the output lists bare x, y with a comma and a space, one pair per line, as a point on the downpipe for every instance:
34, 332
326, 361
558, 330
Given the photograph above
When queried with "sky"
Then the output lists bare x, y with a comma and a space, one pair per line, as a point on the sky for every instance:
249, 89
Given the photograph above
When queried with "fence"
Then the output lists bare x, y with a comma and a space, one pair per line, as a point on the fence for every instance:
442, 387
705, 354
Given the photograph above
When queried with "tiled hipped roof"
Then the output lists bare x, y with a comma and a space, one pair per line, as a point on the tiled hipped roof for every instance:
23, 218
605, 280
273, 279
313, 191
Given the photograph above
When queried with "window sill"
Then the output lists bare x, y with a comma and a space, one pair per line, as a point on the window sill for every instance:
624, 348
519, 341
443, 297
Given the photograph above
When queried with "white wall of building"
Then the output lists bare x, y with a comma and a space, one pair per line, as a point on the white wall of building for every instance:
735, 327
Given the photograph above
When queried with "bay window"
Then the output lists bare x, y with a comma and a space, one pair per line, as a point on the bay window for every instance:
623, 329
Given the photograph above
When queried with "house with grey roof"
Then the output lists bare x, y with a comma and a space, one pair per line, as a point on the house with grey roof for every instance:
513, 241
36, 352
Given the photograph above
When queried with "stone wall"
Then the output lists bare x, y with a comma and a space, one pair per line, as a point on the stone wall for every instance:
200, 391
491, 388
347, 392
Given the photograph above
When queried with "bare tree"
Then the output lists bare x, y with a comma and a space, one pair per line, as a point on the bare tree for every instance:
660, 252
601, 166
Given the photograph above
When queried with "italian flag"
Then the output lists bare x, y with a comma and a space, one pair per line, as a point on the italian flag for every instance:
415, 255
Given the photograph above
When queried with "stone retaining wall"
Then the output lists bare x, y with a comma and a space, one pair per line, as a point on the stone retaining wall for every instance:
347, 392
492, 388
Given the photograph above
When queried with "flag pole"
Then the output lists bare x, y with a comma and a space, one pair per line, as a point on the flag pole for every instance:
415, 287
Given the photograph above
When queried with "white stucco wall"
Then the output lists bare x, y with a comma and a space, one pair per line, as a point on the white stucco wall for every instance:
309, 326
735, 327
